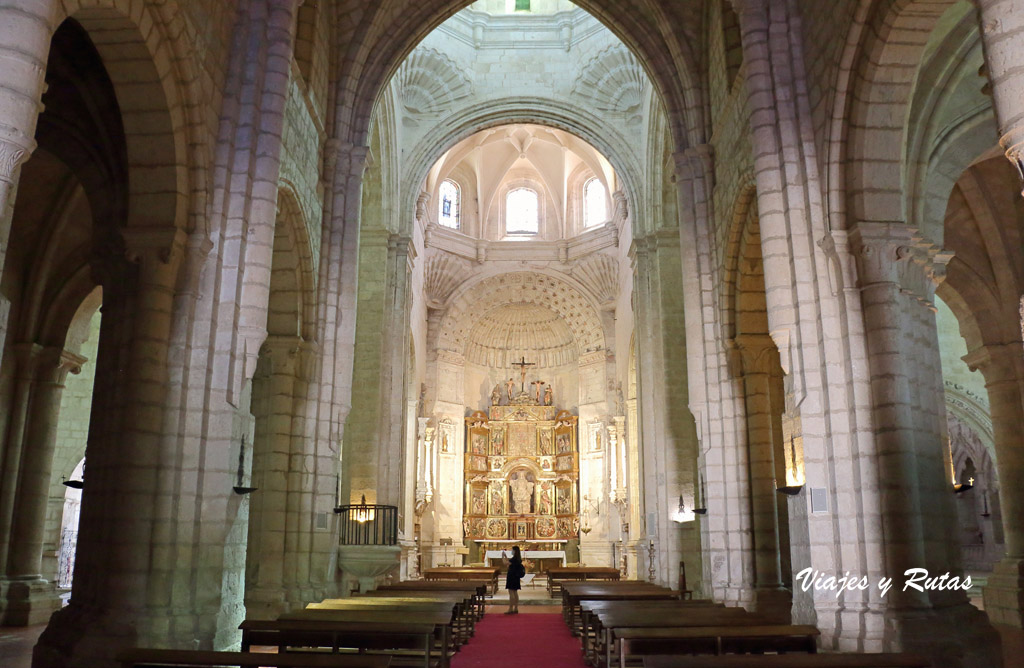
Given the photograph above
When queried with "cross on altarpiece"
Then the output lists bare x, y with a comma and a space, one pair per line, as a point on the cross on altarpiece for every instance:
522, 364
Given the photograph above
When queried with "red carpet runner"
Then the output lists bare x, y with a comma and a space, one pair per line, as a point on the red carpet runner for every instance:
520, 641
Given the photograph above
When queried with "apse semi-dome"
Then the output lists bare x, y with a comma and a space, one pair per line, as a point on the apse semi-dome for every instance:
510, 332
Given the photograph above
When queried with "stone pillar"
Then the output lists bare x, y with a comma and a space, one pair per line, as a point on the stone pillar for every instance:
668, 444
758, 354
1002, 32
897, 273
271, 516
25, 32
1003, 368
25, 596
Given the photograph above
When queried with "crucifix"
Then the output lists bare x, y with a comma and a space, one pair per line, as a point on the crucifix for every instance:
522, 364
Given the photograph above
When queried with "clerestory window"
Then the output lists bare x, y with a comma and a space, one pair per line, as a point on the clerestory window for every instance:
448, 207
521, 212
595, 203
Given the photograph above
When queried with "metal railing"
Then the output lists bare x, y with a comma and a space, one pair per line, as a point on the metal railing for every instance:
368, 524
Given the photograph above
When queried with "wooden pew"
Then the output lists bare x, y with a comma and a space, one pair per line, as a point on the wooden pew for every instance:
590, 626
730, 638
559, 574
462, 615
574, 592
605, 623
465, 574
166, 658
477, 591
789, 661
361, 631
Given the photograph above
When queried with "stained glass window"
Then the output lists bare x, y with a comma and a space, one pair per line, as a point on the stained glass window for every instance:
448, 212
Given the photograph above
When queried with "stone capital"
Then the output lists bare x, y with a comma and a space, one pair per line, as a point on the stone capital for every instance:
892, 252
753, 354
998, 363
12, 156
695, 162
421, 206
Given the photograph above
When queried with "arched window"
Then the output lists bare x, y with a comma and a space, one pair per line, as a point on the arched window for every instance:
517, 6
521, 212
595, 204
448, 208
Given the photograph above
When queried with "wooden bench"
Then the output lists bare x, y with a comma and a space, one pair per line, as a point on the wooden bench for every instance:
359, 632
476, 593
558, 574
590, 625
605, 623
462, 613
726, 639
575, 592
164, 658
790, 661
465, 574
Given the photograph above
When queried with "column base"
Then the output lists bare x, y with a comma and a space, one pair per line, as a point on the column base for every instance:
27, 601
775, 603
1004, 593
261, 603
77, 638
958, 636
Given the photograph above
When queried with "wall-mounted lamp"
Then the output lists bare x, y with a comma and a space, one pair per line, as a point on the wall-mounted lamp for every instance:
960, 488
680, 514
73, 484
703, 510
240, 487
363, 513
585, 519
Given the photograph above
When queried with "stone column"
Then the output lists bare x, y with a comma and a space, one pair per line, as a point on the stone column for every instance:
270, 514
897, 273
1002, 31
758, 353
25, 32
668, 444
1003, 368
25, 596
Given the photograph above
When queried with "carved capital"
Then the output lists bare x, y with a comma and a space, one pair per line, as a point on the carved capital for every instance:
895, 253
754, 353
998, 363
12, 157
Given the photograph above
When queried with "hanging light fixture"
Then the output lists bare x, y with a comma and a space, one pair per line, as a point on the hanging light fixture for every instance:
703, 510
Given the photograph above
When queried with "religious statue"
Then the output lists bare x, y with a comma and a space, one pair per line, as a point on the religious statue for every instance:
548, 396
510, 388
479, 503
496, 394
445, 446
537, 384
620, 401
545, 442
522, 491
545, 498
465, 527
497, 507
498, 442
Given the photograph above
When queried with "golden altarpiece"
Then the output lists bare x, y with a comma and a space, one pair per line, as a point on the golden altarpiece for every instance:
521, 481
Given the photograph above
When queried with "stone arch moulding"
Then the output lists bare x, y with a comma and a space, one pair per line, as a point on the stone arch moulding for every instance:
494, 113
291, 213
883, 37
158, 109
555, 292
393, 30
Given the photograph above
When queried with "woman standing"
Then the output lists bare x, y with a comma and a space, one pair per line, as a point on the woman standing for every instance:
516, 571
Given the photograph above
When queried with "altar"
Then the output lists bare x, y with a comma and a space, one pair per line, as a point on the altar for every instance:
521, 477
